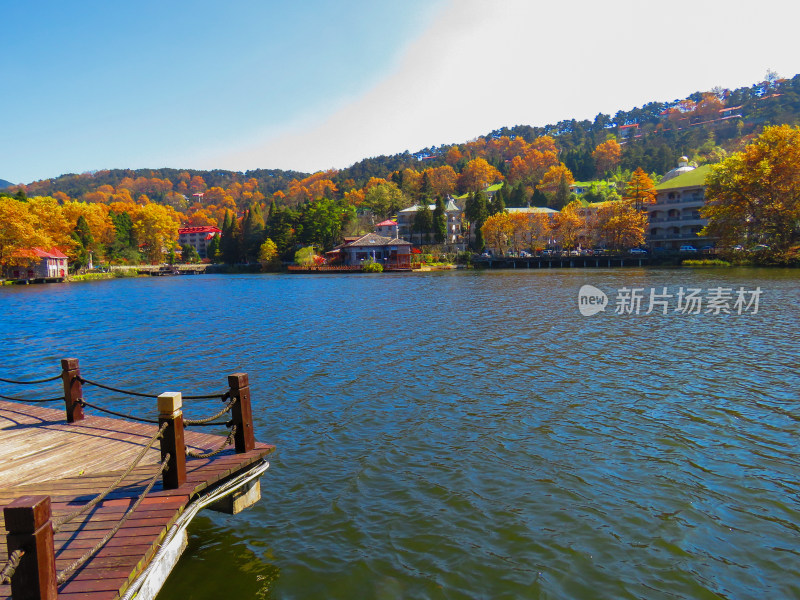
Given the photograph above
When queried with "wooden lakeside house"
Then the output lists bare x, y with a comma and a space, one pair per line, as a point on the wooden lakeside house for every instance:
392, 253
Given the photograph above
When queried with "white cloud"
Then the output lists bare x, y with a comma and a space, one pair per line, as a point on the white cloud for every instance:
484, 64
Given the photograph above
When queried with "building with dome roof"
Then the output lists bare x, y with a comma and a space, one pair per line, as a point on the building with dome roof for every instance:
683, 167
675, 217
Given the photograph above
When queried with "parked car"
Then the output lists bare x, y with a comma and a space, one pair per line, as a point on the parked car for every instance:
638, 251
707, 249
524, 254
759, 248
688, 248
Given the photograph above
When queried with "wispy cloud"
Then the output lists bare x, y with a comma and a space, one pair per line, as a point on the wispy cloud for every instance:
483, 64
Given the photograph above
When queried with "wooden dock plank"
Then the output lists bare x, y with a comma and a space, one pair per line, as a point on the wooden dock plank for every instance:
40, 453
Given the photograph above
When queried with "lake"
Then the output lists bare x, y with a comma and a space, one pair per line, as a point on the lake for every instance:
468, 434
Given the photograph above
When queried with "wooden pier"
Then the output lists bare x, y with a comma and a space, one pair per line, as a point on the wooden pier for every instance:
563, 262
56, 461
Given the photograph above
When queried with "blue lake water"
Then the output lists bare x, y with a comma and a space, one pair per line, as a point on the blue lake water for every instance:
466, 434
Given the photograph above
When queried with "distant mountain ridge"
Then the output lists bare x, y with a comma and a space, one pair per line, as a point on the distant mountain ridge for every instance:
4, 184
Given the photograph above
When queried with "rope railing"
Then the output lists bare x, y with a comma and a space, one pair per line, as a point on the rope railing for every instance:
209, 420
34, 382
61, 521
83, 402
141, 395
11, 566
67, 573
225, 443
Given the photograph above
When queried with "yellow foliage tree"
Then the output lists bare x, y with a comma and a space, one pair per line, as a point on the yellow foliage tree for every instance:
753, 196
552, 178
51, 220
19, 232
156, 229
498, 232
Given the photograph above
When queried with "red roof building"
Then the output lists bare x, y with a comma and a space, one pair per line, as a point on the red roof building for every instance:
43, 264
199, 237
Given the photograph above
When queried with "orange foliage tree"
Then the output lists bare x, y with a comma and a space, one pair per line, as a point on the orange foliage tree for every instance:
607, 156
640, 189
569, 224
531, 167
477, 174
443, 180
553, 178
618, 225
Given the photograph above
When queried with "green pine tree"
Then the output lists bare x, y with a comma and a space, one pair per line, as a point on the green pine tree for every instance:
439, 221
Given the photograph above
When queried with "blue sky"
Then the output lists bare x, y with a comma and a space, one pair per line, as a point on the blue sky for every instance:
319, 84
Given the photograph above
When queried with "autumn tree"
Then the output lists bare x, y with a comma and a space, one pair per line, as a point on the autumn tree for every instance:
553, 177
497, 232
539, 156
753, 196
443, 180
555, 184
156, 228
569, 224
19, 232
708, 107
477, 175
51, 220
607, 157
618, 225
640, 189
268, 255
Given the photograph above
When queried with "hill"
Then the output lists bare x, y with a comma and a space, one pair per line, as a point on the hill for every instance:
4, 184
704, 126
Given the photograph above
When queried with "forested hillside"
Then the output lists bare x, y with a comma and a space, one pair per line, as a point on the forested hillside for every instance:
537, 165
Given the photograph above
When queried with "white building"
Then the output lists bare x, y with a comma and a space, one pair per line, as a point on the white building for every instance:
675, 217
405, 222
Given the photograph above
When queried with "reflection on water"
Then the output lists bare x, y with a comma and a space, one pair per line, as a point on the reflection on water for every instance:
230, 567
470, 434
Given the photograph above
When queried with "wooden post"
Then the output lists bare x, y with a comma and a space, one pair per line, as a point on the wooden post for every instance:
73, 390
31, 530
241, 413
169, 411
